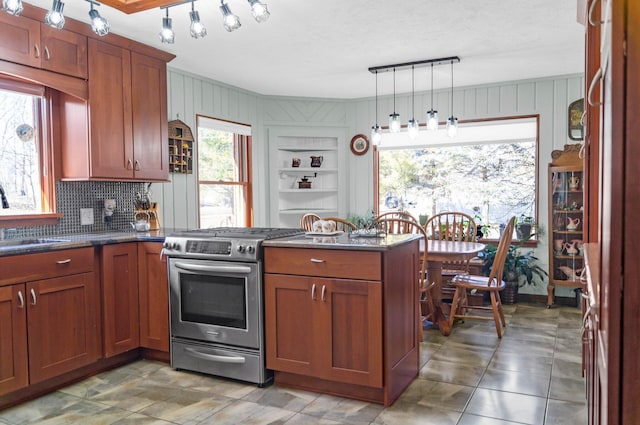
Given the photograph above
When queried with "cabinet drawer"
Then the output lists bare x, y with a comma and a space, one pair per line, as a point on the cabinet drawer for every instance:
29, 267
324, 263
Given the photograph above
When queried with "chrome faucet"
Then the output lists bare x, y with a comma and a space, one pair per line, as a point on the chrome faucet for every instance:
5, 201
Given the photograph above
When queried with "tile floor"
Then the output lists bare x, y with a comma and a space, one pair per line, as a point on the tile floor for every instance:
531, 376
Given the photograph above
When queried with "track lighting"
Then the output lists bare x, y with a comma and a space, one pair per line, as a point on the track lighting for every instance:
166, 34
452, 121
259, 10
12, 7
54, 16
197, 29
230, 21
99, 25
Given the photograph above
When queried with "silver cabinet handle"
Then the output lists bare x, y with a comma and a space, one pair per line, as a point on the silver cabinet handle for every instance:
47, 56
592, 86
36, 48
21, 299
313, 291
137, 166
213, 269
129, 164
33, 297
592, 7
317, 260
324, 291
214, 357
67, 261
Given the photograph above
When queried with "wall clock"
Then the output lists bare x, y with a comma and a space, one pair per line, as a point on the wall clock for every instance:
359, 144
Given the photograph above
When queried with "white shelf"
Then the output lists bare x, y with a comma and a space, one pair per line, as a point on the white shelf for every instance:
306, 210
307, 170
307, 148
330, 190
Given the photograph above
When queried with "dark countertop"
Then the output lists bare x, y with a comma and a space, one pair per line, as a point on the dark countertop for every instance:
49, 243
343, 241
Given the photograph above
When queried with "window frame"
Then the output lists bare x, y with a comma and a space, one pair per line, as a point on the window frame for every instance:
533, 242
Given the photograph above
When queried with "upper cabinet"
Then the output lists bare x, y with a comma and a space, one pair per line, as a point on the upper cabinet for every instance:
28, 42
126, 117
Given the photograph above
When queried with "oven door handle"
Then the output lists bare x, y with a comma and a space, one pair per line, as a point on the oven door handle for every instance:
217, 358
213, 269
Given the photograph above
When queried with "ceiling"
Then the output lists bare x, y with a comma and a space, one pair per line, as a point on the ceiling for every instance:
323, 49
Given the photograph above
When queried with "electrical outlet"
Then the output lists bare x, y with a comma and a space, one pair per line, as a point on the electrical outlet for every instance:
86, 216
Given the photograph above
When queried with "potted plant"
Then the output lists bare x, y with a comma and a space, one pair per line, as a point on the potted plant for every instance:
524, 226
520, 268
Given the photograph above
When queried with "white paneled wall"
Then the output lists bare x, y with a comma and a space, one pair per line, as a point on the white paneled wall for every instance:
190, 95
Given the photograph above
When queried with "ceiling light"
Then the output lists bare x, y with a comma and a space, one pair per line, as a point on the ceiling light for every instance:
230, 21
413, 127
394, 118
432, 115
167, 35
54, 17
197, 29
259, 10
452, 121
12, 7
376, 131
99, 25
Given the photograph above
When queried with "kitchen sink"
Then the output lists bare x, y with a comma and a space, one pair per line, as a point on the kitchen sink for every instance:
30, 241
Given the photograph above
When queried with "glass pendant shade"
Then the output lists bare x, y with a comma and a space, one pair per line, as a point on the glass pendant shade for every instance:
167, 35
259, 10
54, 17
376, 134
432, 120
230, 21
99, 25
197, 29
12, 7
413, 128
394, 123
452, 126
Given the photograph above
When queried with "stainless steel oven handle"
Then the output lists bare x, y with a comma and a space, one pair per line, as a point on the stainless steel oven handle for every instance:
213, 269
217, 358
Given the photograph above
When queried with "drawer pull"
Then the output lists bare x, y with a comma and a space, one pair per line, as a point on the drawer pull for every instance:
67, 261
324, 291
317, 260
21, 299
313, 291
33, 297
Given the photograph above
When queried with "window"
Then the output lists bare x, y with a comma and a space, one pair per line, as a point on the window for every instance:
224, 177
488, 171
27, 184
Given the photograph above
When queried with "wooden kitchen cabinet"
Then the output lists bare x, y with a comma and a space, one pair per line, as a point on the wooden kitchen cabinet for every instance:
153, 297
120, 298
52, 300
29, 42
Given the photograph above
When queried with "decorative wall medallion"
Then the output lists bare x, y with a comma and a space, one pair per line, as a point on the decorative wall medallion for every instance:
359, 144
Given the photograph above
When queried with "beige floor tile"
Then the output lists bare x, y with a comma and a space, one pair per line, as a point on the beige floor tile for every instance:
468, 419
516, 382
507, 406
568, 389
561, 412
138, 419
452, 372
283, 398
342, 410
413, 414
441, 395
247, 413
521, 362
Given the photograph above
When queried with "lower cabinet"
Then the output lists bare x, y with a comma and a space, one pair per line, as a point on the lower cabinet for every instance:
153, 297
49, 322
120, 298
327, 328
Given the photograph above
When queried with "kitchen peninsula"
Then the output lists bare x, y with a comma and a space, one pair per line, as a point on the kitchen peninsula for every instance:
341, 314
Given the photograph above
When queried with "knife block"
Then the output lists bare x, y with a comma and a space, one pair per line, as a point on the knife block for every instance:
150, 215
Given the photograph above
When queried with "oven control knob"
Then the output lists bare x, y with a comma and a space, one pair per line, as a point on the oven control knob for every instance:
241, 249
175, 246
250, 249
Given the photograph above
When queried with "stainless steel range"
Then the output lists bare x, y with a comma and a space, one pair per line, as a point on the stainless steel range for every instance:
216, 300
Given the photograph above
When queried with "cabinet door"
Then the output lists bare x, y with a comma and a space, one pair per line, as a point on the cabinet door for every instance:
64, 51
120, 298
290, 326
153, 297
110, 111
351, 316
149, 112
62, 325
19, 40
14, 373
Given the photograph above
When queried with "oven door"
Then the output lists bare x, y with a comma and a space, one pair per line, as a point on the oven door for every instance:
216, 301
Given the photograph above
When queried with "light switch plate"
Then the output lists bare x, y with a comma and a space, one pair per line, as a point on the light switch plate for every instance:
86, 216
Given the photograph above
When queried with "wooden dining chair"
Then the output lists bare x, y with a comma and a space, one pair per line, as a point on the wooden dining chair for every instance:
397, 214
342, 224
405, 226
492, 284
306, 221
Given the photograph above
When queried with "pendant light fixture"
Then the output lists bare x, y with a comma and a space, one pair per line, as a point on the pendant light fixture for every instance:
167, 35
230, 21
413, 127
12, 7
452, 121
376, 131
394, 118
196, 29
99, 25
259, 10
432, 115
54, 17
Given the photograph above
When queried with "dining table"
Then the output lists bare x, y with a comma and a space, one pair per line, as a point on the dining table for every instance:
439, 251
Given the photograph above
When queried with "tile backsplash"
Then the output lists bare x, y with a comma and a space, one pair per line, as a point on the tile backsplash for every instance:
71, 196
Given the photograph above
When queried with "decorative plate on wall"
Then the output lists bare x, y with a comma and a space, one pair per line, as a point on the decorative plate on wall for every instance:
359, 144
